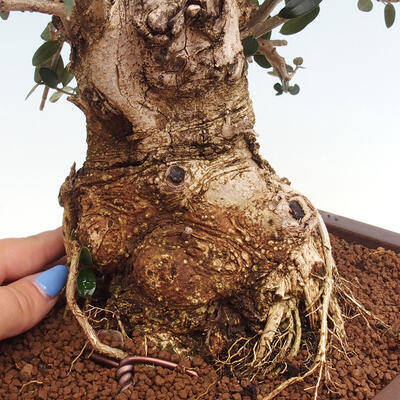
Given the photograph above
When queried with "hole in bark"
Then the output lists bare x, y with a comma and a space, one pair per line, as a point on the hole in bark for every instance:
319, 269
296, 211
176, 174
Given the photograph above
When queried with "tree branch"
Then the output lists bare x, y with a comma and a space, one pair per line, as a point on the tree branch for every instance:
267, 48
261, 15
41, 6
264, 27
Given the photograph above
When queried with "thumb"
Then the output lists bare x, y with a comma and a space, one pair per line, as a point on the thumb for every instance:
25, 302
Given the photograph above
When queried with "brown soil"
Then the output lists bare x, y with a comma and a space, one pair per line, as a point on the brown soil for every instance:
39, 364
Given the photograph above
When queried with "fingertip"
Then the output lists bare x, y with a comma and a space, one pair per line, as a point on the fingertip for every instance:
51, 281
25, 302
24, 256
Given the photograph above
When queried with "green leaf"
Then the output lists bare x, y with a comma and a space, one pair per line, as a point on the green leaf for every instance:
365, 5
46, 34
55, 96
49, 77
295, 8
262, 61
390, 14
85, 257
60, 68
4, 14
297, 24
289, 68
298, 61
250, 46
32, 90
86, 282
69, 90
44, 52
295, 89
267, 36
66, 77
278, 87
36, 76
69, 5
255, 2
273, 73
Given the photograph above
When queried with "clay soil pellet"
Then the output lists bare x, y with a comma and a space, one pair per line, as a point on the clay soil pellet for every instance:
39, 364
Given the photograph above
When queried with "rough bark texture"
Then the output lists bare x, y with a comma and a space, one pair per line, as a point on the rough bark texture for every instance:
206, 244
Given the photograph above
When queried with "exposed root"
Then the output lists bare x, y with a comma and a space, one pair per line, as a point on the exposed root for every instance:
80, 316
266, 352
92, 314
271, 327
281, 338
296, 344
76, 358
289, 382
320, 359
212, 384
36, 382
347, 294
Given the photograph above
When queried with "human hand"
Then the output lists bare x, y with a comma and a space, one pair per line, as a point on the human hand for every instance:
29, 295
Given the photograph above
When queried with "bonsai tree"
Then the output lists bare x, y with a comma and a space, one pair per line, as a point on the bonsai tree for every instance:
197, 241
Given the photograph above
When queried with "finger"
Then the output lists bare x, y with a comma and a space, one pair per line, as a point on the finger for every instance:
25, 302
59, 261
25, 256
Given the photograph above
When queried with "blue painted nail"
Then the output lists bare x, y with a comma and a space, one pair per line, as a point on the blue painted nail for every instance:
52, 280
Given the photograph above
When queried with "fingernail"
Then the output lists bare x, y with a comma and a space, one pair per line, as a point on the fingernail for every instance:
52, 280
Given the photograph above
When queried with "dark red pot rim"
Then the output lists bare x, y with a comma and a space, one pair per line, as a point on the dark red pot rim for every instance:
391, 391
359, 232
369, 236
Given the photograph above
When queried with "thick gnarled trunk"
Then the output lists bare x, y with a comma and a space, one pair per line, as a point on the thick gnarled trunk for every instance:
207, 245
173, 195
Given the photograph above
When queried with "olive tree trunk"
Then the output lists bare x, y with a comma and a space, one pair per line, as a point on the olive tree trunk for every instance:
209, 250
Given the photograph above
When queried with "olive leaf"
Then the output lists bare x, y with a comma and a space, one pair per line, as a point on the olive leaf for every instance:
4, 14
250, 46
55, 96
60, 68
267, 36
295, 89
289, 68
86, 282
262, 61
365, 5
297, 24
46, 34
390, 14
85, 257
279, 89
298, 61
68, 89
36, 76
44, 52
32, 90
66, 76
69, 5
295, 8
49, 77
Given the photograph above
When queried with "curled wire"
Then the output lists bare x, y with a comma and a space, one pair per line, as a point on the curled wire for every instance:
125, 371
